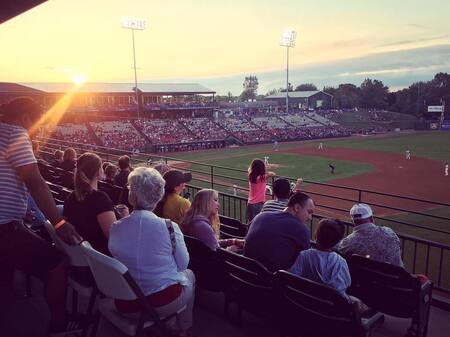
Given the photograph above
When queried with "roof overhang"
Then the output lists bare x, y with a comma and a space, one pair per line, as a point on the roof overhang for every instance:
12, 8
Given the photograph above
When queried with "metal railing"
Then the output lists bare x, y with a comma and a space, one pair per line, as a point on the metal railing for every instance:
403, 213
428, 254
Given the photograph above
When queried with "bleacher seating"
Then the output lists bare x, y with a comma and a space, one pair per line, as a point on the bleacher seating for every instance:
300, 120
392, 290
321, 119
205, 264
308, 308
204, 128
73, 132
114, 281
119, 135
231, 228
165, 131
248, 283
244, 130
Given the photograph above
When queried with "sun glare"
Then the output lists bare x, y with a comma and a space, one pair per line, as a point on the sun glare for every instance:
79, 79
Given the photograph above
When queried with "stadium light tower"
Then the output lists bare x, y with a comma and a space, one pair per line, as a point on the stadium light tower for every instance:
288, 41
134, 24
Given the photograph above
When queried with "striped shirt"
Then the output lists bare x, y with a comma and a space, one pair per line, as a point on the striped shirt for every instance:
15, 151
274, 205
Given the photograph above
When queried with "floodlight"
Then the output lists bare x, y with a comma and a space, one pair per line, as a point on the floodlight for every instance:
288, 38
133, 23
288, 41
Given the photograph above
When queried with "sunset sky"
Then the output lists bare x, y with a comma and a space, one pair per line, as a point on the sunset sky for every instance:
218, 42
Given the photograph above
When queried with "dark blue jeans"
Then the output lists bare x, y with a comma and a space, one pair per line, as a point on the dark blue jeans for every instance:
253, 210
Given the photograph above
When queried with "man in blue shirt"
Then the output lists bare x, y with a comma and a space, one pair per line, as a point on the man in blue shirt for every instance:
276, 238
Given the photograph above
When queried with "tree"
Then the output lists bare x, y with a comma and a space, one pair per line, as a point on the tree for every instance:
247, 95
290, 87
346, 96
273, 92
250, 86
329, 90
373, 94
306, 87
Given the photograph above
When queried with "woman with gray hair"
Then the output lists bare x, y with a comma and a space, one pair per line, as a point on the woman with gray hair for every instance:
154, 251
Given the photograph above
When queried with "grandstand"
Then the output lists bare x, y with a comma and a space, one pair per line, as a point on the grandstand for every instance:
119, 134
213, 312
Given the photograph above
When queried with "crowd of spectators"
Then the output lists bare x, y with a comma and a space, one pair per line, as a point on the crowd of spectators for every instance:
119, 135
70, 132
184, 134
204, 128
165, 131
150, 241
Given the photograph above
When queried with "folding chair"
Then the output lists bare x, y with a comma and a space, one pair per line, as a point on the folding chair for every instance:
88, 288
248, 283
307, 308
115, 282
231, 228
392, 290
204, 262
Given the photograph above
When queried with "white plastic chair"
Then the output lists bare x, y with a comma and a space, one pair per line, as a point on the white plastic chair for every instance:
76, 259
115, 282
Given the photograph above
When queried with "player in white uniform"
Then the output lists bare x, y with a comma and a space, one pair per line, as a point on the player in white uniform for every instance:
408, 154
320, 147
275, 145
266, 160
446, 169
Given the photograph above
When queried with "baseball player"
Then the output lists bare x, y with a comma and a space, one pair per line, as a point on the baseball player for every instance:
408, 154
332, 167
275, 145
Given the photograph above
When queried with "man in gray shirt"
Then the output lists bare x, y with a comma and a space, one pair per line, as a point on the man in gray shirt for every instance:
378, 243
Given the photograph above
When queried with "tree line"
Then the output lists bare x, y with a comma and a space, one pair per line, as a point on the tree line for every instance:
371, 94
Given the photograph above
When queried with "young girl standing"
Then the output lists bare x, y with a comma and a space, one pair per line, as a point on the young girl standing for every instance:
257, 182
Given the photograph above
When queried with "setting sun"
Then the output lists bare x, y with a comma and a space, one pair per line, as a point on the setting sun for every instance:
79, 79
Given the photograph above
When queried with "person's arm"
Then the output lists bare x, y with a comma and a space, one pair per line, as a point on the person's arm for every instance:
185, 204
181, 254
298, 184
205, 234
105, 220
271, 174
41, 194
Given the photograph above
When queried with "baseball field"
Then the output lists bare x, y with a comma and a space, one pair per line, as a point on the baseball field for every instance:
375, 163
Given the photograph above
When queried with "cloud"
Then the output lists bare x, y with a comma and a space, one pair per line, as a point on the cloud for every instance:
61, 69
419, 40
417, 25
397, 69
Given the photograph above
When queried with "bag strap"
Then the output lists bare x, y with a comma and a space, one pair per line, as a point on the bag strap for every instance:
171, 235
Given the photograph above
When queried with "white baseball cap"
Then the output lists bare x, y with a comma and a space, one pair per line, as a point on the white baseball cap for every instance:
361, 211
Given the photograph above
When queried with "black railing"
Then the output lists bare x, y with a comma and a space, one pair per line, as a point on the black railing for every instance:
428, 254
403, 213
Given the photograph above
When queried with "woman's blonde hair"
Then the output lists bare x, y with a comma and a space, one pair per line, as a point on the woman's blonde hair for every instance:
87, 168
201, 206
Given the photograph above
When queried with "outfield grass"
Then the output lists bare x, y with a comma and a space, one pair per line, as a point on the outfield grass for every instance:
294, 165
359, 120
430, 144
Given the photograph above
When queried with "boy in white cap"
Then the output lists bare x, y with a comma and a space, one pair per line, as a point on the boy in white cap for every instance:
367, 239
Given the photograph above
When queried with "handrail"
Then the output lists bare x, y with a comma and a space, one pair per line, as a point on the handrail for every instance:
211, 175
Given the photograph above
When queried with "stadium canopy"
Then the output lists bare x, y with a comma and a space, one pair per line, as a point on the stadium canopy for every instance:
103, 88
297, 94
14, 88
12, 8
